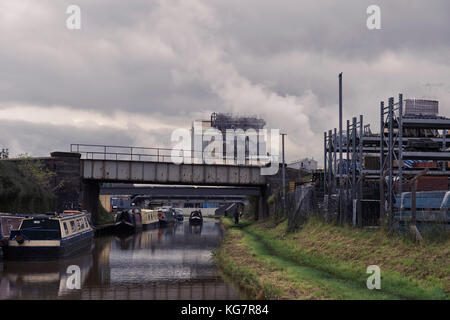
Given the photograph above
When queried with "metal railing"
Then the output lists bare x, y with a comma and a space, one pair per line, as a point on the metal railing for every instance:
133, 153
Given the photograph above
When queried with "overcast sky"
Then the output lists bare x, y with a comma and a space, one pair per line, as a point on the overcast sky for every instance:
139, 69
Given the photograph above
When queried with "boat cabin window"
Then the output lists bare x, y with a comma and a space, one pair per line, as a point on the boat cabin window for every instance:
41, 229
66, 230
86, 222
79, 224
72, 225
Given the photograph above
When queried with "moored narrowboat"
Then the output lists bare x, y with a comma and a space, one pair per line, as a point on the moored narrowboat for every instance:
128, 220
8, 222
149, 218
50, 236
179, 214
166, 215
196, 217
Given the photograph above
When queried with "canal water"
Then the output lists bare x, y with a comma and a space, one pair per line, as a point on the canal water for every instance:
173, 262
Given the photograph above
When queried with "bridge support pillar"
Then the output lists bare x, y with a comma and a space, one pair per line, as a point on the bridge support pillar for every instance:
66, 182
263, 207
90, 199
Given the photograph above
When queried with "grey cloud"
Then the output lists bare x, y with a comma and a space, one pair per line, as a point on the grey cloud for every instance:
173, 61
41, 139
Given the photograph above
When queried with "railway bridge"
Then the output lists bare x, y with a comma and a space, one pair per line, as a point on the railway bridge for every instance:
82, 171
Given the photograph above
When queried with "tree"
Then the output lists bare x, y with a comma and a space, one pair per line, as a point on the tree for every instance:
35, 170
4, 154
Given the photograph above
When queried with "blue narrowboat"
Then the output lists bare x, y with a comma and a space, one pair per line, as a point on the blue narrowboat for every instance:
179, 214
50, 236
7, 223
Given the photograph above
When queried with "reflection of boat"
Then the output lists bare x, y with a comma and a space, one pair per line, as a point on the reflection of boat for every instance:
37, 279
128, 220
195, 228
149, 218
196, 217
147, 239
166, 215
126, 242
50, 236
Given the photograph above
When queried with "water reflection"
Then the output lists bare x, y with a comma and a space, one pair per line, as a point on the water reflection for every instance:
166, 263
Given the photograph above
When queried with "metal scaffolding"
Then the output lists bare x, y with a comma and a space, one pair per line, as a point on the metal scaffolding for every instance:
401, 139
395, 148
346, 175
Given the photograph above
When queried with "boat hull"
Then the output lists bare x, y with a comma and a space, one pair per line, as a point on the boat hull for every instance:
195, 220
164, 222
67, 247
151, 225
126, 227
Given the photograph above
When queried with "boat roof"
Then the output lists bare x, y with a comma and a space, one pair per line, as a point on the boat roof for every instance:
12, 215
56, 216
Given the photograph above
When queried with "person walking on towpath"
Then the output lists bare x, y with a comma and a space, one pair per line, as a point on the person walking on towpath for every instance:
236, 217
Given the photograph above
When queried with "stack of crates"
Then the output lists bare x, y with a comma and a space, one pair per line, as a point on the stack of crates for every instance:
421, 107
426, 183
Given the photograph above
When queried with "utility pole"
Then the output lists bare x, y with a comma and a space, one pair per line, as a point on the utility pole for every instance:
283, 172
341, 191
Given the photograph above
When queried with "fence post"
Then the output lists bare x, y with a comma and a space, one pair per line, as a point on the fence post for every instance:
413, 228
382, 197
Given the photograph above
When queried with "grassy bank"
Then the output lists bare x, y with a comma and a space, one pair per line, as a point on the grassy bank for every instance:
104, 217
21, 193
322, 261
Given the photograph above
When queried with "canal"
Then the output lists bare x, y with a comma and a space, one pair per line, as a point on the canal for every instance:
173, 262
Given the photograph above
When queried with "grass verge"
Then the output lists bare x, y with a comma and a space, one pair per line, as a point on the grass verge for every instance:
326, 262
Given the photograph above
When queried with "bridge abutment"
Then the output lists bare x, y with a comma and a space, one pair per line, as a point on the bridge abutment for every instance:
90, 191
67, 179
72, 191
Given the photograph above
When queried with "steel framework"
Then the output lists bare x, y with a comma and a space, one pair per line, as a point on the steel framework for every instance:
392, 167
393, 149
345, 175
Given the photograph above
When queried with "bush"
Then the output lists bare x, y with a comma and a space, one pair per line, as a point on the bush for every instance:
21, 192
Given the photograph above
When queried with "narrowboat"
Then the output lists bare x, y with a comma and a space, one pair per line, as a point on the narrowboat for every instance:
8, 222
50, 236
179, 214
166, 215
149, 218
196, 217
128, 220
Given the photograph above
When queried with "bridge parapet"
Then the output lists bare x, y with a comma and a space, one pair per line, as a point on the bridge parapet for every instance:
166, 155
